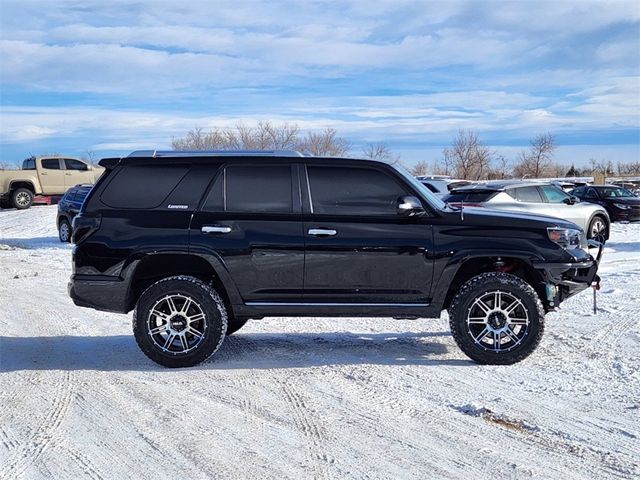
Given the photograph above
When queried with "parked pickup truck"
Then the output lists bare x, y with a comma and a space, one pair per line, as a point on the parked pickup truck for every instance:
44, 176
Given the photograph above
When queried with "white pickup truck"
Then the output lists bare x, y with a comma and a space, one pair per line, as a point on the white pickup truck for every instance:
44, 176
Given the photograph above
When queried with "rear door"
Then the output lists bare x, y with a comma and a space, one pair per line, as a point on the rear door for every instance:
251, 220
358, 249
51, 176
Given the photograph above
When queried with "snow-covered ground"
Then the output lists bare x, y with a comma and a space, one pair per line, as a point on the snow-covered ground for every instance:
306, 398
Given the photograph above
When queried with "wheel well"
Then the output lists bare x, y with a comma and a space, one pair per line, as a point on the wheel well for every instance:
156, 267
27, 185
476, 266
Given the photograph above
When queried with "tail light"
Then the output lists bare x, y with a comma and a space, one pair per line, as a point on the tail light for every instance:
83, 225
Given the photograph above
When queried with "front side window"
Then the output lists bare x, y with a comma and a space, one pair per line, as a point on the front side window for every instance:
29, 164
71, 164
591, 193
51, 163
353, 191
528, 194
554, 194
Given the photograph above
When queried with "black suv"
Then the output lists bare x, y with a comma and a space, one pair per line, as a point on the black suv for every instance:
197, 243
68, 207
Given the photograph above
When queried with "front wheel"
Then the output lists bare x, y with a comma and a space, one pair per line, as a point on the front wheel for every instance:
179, 321
496, 318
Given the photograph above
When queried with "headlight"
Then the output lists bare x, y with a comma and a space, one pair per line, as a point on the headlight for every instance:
568, 238
622, 206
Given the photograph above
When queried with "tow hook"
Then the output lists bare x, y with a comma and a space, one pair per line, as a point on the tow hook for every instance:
596, 286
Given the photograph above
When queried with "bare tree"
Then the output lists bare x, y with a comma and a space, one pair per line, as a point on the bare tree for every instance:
264, 136
7, 166
469, 158
535, 162
380, 151
630, 168
325, 143
420, 168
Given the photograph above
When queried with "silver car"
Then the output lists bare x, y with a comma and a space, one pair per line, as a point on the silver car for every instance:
535, 197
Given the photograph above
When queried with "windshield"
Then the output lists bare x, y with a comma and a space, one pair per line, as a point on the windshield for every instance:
615, 192
415, 183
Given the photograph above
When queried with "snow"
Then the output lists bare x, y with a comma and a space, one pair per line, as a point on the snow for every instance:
306, 398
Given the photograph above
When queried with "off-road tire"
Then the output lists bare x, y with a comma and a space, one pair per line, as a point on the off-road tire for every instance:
474, 289
205, 296
22, 193
233, 324
64, 223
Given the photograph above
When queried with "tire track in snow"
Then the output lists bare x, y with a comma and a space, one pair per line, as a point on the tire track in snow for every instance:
45, 436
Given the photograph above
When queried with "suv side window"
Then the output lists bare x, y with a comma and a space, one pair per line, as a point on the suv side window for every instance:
71, 164
591, 193
142, 186
51, 163
251, 189
553, 194
528, 194
353, 191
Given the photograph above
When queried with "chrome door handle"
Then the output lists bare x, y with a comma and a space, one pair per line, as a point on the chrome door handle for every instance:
215, 229
322, 232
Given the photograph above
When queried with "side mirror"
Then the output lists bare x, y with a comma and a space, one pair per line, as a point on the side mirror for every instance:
409, 206
571, 200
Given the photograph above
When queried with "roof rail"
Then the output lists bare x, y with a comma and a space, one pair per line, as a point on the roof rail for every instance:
214, 153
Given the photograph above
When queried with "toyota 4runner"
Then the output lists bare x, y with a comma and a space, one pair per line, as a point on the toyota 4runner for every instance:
197, 243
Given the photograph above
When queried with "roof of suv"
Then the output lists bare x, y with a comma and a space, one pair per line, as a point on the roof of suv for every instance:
147, 156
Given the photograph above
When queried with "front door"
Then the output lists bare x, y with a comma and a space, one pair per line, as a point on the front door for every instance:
76, 172
358, 248
252, 221
51, 176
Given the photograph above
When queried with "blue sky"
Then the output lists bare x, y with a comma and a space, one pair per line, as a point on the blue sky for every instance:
111, 77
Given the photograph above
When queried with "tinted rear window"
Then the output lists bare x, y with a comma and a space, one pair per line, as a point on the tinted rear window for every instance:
251, 188
142, 186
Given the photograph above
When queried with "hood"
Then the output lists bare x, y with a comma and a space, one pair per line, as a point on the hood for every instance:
511, 219
624, 200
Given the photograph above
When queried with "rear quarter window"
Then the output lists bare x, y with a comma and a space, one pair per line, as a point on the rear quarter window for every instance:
142, 187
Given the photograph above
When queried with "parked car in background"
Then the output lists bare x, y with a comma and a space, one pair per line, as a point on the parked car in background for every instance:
441, 184
621, 204
632, 186
535, 197
44, 176
68, 207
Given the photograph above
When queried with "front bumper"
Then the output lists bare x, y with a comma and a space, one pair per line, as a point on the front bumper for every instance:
564, 280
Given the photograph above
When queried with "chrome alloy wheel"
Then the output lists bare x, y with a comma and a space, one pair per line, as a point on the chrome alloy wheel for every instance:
497, 321
598, 229
65, 232
23, 199
177, 324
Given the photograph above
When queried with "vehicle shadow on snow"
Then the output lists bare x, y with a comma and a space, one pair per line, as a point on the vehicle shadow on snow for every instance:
241, 351
34, 243
623, 246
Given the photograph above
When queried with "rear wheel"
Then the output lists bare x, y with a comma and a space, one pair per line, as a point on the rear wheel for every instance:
64, 230
598, 229
496, 318
22, 198
179, 322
